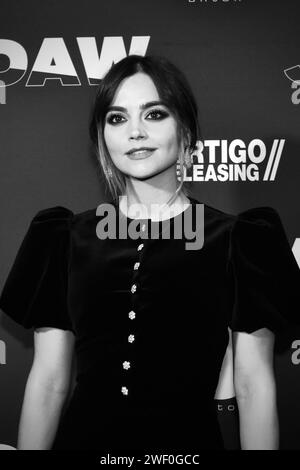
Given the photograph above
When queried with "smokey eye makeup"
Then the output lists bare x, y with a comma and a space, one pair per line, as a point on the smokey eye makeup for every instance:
110, 118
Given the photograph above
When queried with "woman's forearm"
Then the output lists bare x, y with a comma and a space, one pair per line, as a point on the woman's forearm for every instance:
259, 427
40, 415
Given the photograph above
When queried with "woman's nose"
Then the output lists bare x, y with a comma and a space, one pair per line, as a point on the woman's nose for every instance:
136, 134
137, 130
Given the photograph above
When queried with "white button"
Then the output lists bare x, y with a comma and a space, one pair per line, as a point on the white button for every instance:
126, 365
131, 315
140, 246
130, 338
133, 288
136, 266
143, 227
125, 390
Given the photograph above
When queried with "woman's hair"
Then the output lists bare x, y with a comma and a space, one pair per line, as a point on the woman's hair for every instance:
172, 87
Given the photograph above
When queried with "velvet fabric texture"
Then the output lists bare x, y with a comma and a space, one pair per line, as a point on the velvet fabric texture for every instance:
149, 357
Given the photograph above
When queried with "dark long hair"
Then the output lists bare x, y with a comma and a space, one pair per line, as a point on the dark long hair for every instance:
172, 87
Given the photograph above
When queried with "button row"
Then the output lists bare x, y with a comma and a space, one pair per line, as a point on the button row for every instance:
126, 364
131, 315
136, 266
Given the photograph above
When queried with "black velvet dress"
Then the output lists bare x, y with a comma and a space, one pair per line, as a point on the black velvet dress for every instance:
150, 317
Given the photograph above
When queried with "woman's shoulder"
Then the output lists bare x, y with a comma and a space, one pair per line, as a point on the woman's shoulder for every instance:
258, 215
213, 213
61, 217
259, 220
53, 213
57, 214
48, 224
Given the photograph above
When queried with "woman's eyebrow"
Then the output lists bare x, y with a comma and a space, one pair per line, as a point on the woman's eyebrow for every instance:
142, 106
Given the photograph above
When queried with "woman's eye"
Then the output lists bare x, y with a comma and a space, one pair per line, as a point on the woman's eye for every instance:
111, 118
158, 111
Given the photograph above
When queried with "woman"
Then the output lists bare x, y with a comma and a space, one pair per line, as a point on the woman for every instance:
149, 319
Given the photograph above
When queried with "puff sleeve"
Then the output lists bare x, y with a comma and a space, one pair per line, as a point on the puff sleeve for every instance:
35, 291
264, 273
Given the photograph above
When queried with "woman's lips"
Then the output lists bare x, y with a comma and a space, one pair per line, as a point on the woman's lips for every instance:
140, 154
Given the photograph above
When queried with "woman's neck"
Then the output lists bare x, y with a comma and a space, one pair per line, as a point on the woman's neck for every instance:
157, 209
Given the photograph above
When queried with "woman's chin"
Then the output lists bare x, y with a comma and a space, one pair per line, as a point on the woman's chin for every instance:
142, 173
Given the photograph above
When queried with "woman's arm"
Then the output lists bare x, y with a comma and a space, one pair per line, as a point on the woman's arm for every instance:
255, 389
46, 389
225, 388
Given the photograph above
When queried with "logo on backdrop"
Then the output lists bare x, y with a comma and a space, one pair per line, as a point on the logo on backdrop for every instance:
2, 92
222, 160
54, 62
293, 74
2, 352
296, 354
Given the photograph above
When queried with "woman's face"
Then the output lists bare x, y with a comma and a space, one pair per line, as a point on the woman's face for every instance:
134, 127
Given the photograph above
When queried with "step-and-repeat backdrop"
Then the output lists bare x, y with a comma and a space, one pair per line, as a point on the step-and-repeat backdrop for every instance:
241, 58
